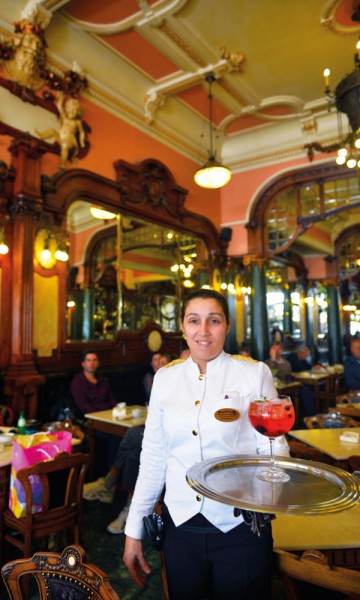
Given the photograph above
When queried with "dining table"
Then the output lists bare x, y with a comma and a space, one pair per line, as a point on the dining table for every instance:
350, 409
337, 535
328, 441
321, 381
110, 422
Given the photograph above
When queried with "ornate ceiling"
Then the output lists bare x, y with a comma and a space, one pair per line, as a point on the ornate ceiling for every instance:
146, 62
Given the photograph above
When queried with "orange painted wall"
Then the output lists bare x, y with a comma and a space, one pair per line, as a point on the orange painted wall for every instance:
316, 267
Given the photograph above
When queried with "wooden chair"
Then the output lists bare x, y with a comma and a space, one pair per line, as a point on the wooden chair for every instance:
312, 569
65, 575
354, 463
303, 451
62, 480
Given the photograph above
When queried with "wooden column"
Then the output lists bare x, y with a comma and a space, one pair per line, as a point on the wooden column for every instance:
22, 380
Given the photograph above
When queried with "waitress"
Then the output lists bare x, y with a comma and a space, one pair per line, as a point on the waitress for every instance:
209, 551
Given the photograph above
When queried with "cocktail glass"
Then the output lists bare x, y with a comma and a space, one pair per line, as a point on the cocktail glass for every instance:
272, 417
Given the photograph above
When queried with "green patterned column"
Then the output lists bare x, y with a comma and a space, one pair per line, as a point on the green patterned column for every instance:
334, 323
231, 344
89, 308
260, 342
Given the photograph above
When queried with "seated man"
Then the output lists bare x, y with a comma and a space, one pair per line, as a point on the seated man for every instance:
352, 366
124, 472
279, 365
90, 390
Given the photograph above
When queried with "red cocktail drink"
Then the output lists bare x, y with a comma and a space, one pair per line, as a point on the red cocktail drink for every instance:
272, 418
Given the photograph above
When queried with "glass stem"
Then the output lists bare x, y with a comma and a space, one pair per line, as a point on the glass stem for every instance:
272, 462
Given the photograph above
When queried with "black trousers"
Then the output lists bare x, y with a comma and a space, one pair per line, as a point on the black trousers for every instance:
216, 566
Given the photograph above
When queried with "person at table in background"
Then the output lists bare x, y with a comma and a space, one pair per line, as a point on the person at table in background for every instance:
209, 550
279, 366
245, 349
124, 471
148, 379
301, 360
352, 366
90, 390
165, 359
123, 474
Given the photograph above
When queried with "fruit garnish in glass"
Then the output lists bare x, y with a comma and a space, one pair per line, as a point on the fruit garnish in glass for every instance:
272, 417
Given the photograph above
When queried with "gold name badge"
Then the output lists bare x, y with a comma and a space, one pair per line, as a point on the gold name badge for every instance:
226, 415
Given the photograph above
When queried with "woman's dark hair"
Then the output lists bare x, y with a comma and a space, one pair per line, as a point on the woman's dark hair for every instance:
206, 294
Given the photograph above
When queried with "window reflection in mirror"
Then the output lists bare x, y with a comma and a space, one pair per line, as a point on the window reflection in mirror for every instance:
157, 266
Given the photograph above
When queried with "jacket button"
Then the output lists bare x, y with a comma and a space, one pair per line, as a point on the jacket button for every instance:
198, 498
194, 432
197, 402
201, 377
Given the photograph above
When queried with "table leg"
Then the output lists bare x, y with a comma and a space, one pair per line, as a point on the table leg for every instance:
92, 450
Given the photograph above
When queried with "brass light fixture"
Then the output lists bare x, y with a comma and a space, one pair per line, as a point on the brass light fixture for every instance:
213, 174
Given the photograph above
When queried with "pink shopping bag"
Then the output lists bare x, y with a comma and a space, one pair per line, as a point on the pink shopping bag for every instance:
26, 451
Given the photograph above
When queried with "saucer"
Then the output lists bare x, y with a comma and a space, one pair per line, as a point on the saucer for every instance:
7, 438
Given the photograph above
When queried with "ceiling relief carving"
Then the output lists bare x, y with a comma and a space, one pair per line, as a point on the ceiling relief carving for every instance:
24, 58
157, 52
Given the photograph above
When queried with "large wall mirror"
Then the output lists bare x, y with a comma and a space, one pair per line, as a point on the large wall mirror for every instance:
126, 271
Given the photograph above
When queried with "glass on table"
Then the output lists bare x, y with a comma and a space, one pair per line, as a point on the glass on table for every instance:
272, 417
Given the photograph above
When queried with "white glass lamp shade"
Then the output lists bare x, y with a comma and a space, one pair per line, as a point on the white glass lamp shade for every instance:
212, 175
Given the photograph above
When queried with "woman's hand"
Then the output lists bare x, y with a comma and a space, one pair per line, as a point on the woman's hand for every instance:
135, 561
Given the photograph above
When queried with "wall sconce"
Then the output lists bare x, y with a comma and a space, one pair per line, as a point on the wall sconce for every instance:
45, 253
62, 253
4, 248
51, 245
246, 290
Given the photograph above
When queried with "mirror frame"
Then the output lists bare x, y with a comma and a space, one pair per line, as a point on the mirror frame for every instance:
148, 191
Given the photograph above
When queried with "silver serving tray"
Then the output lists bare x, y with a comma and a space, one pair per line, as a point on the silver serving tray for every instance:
314, 488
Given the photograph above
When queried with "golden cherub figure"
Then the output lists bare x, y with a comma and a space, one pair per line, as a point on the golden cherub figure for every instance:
71, 132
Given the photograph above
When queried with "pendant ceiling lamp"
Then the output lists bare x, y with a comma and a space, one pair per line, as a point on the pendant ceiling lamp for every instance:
213, 174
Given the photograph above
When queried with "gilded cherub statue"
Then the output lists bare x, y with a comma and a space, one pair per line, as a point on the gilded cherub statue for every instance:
71, 133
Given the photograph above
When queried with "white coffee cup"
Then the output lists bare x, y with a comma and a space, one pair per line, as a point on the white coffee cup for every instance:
136, 413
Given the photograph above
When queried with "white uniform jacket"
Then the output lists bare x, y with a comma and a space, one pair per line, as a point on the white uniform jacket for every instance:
181, 429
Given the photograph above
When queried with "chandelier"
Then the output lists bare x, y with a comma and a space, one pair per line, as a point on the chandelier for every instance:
213, 174
347, 100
